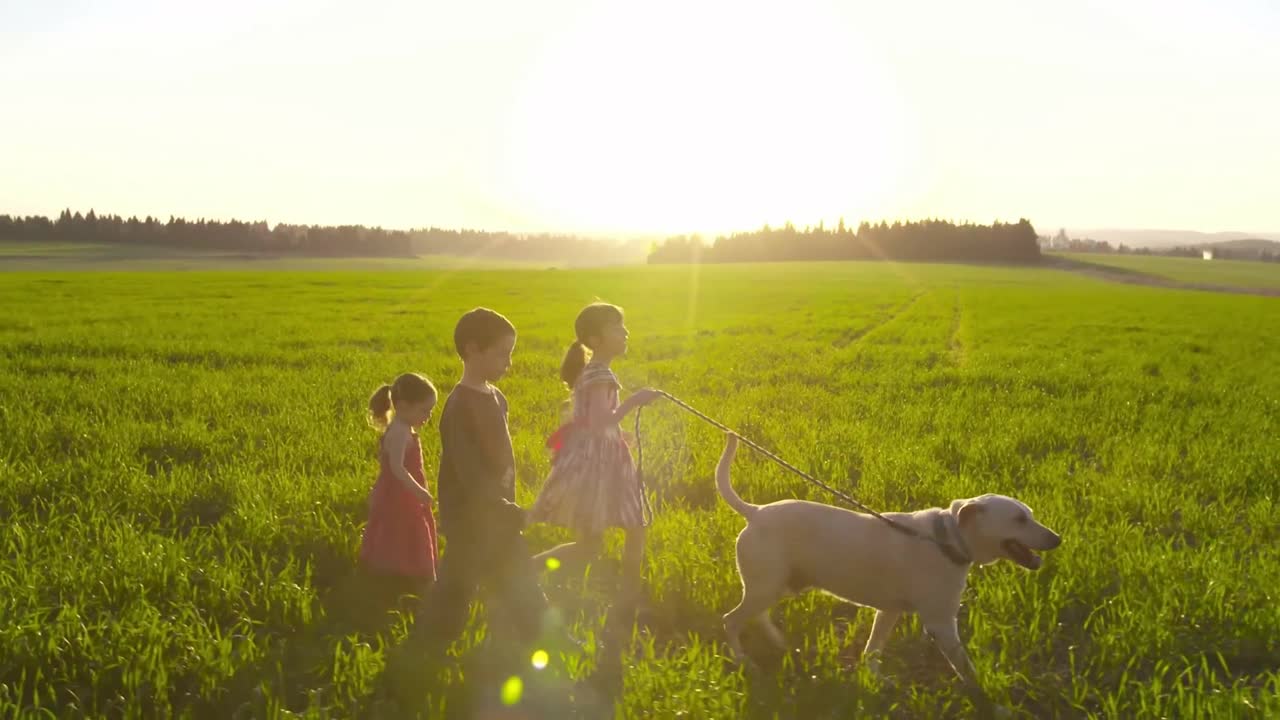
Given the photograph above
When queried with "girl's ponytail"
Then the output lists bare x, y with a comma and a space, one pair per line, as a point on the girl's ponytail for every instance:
574, 360
380, 408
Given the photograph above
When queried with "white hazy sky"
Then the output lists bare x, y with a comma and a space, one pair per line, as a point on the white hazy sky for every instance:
661, 116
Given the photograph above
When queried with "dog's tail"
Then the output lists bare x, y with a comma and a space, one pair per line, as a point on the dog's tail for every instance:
742, 507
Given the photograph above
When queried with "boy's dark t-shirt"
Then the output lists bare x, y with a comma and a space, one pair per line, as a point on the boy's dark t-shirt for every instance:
476, 482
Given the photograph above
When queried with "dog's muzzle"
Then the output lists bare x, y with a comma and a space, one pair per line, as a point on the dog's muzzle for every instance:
1024, 555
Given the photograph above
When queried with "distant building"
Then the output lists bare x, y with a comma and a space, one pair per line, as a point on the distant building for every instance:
1208, 254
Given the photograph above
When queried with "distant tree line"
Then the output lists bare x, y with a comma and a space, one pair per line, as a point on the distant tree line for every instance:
1219, 253
927, 240
343, 240
1061, 242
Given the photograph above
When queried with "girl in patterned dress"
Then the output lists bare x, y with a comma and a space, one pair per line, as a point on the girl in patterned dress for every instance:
400, 537
593, 484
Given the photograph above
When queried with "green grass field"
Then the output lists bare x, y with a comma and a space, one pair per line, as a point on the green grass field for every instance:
1226, 273
184, 470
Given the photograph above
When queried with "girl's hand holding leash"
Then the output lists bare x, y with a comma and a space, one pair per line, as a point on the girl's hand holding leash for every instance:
644, 396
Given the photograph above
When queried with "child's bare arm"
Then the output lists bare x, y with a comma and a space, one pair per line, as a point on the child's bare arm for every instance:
396, 442
599, 399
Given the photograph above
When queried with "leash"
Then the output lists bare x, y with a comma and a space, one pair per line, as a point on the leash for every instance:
646, 510
938, 538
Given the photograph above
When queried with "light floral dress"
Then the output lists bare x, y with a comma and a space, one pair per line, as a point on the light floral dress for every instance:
593, 484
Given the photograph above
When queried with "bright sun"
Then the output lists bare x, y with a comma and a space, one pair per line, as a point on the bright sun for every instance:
737, 116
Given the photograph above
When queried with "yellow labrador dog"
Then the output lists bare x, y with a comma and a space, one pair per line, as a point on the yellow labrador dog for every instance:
791, 545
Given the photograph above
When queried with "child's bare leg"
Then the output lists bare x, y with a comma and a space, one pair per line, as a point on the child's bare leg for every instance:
622, 614
571, 558
632, 565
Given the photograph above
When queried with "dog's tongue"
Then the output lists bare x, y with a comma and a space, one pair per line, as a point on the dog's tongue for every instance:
1022, 555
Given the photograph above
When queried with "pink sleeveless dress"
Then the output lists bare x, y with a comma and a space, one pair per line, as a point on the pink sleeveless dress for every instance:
400, 537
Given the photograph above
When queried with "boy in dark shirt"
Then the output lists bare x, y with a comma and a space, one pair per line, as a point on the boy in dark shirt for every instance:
482, 525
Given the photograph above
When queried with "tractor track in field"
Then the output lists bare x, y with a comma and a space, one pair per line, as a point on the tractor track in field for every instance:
853, 337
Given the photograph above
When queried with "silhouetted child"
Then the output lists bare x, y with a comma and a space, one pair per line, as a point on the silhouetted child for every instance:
593, 484
482, 525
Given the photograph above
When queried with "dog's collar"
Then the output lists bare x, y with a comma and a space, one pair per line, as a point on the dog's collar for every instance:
958, 555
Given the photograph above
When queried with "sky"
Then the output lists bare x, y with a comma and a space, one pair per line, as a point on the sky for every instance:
661, 117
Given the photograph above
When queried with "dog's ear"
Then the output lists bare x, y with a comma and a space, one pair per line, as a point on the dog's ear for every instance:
968, 513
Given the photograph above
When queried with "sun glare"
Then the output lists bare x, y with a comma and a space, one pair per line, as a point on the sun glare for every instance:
737, 117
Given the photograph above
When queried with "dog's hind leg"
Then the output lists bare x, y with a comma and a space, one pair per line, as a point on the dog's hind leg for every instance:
775, 635
756, 601
763, 585
881, 627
